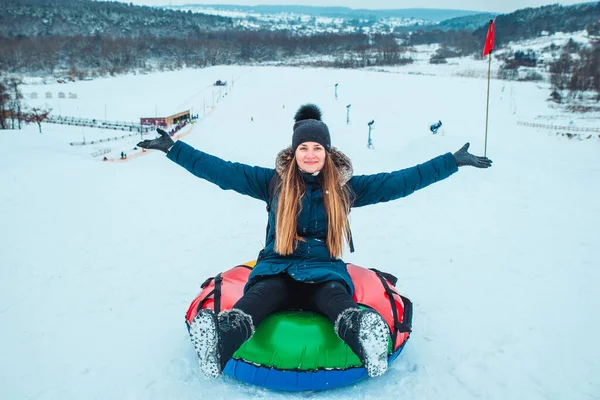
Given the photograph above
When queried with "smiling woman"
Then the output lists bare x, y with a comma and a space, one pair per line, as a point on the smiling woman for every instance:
309, 195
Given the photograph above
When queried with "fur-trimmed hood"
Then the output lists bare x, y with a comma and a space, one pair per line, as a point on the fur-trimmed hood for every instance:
341, 161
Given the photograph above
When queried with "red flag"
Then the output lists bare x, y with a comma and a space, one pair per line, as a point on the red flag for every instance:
489, 40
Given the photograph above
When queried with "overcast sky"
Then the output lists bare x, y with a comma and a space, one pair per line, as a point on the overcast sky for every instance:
475, 5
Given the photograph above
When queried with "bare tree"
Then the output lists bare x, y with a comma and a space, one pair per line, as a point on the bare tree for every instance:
15, 101
4, 99
37, 115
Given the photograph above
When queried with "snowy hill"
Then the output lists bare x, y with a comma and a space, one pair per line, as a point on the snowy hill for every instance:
315, 20
101, 259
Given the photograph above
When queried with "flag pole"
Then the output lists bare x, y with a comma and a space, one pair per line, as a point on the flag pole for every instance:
487, 107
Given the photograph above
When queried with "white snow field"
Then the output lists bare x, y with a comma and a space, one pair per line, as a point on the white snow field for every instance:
100, 260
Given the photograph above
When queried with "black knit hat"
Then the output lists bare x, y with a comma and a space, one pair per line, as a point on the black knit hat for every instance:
310, 128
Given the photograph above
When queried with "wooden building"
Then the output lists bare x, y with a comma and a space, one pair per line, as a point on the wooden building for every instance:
166, 121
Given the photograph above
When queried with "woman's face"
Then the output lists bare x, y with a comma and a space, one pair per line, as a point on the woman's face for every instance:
310, 157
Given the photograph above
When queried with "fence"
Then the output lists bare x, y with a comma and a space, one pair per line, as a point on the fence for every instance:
559, 128
94, 123
100, 152
84, 143
566, 131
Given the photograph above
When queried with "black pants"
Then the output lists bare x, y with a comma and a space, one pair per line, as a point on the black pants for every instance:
281, 292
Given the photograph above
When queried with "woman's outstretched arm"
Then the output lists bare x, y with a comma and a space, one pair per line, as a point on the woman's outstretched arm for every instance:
382, 187
245, 179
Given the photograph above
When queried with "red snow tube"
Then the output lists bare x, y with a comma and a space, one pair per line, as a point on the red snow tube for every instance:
372, 288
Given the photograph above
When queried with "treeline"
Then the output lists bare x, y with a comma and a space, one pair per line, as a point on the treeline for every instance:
32, 18
81, 56
577, 70
470, 23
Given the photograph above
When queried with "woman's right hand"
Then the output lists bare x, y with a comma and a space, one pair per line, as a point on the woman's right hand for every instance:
463, 157
162, 143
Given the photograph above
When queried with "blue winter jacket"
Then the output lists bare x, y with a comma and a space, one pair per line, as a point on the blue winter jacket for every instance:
311, 261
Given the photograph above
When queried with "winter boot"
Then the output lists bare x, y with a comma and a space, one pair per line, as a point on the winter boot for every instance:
366, 333
204, 335
216, 338
235, 327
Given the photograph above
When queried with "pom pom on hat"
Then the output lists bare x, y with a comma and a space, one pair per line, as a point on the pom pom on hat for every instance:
308, 111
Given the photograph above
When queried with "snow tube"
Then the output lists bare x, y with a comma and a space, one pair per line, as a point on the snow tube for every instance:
299, 350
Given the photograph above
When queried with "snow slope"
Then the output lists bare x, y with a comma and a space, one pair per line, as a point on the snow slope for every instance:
100, 260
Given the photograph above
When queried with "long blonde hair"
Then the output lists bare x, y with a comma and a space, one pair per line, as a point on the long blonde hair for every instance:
337, 199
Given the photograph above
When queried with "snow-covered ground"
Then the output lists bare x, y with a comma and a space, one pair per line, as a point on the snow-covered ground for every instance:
557, 39
475, 68
100, 260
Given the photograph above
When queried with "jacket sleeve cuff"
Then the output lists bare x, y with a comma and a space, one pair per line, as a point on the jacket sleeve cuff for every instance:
176, 150
450, 163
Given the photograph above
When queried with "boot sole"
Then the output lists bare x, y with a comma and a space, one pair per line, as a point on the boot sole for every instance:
373, 338
203, 333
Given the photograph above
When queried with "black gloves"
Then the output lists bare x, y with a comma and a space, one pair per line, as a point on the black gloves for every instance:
463, 157
162, 143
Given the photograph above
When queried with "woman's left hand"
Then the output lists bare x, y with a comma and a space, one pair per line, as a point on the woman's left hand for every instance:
463, 157
162, 143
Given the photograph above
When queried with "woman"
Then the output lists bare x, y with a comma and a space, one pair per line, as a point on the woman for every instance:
310, 191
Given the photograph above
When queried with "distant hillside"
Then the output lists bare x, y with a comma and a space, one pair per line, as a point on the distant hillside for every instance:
471, 22
83, 37
533, 22
434, 15
520, 25
88, 18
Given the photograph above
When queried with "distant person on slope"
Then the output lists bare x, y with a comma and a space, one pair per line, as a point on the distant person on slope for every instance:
309, 195
434, 128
